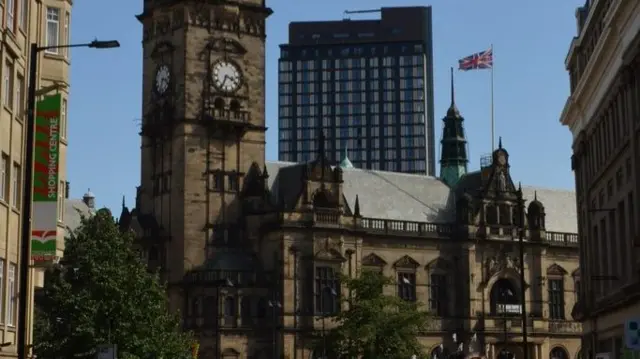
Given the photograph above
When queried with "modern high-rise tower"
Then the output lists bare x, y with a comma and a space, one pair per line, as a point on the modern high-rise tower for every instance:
368, 84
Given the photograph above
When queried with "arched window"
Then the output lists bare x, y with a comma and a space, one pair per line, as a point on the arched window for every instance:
558, 353
492, 214
321, 200
210, 310
439, 352
229, 311
504, 298
234, 106
218, 104
245, 311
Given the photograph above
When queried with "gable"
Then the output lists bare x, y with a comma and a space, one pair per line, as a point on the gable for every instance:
373, 260
555, 269
406, 262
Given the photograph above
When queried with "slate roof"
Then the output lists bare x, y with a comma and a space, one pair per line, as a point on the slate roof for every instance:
419, 198
74, 209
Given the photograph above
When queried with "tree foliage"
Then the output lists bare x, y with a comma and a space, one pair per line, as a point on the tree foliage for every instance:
376, 325
101, 292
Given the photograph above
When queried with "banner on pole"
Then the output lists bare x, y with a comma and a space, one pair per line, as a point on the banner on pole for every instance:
44, 228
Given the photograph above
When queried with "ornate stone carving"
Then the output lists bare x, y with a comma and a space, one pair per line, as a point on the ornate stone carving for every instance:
556, 270
373, 260
406, 262
330, 249
501, 261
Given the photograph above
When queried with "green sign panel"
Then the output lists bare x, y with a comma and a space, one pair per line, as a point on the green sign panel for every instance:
44, 230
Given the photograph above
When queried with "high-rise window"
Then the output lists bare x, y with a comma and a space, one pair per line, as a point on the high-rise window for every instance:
61, 196
24, 15
8, 84
53, 29
327, 290
438, 295
67, 32
13, 290
556, 299
11, 15
1, 290
20, 96
16, 175
63, 119
407, 286
4, 177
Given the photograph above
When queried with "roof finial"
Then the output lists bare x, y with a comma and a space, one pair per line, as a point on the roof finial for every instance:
535, 195
356, 207
124, 204
500, 142
453, 100
321, 139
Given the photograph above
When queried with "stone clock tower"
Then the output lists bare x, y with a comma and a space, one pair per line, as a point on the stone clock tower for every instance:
203, 129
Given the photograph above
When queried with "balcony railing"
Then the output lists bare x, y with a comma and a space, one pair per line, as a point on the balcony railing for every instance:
333, 218
406, 228
560, 238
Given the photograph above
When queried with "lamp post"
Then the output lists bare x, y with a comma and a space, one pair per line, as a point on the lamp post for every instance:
220, 283
25, 245
323, 310
523, 289
275, 306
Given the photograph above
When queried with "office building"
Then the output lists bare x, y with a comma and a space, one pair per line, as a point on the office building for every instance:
210, 208
603, 114
24, 22
368, 84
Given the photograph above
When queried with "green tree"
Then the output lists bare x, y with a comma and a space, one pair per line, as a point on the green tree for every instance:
375, 325
101, 292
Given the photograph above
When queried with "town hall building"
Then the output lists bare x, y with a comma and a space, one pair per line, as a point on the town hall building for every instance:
252, 250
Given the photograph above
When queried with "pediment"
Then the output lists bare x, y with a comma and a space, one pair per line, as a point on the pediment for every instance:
373, 260
555, 269
438, 263
226, 45
406, 262
329, 255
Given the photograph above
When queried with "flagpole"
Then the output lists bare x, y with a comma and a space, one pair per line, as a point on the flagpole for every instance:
493, 123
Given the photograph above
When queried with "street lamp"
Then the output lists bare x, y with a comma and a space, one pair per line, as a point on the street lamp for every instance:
325, 291
523, 288
275, 306
25, 249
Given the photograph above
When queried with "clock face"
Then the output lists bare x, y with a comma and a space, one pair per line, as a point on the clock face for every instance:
163, 78
226, 76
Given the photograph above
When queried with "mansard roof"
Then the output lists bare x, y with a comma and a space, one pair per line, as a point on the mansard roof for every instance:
419, 198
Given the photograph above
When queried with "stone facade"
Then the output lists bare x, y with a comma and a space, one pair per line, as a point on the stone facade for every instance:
251, 249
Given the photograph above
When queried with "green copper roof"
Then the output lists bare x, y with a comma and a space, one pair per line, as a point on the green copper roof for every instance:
345, 162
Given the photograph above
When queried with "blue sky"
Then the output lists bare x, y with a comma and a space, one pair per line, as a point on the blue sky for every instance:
530, 39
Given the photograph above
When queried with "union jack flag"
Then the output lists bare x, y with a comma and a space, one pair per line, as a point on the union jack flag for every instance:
477, 61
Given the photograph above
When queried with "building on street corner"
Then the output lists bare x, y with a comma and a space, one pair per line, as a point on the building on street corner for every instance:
24, 22
251, 249
603, 114
368, 84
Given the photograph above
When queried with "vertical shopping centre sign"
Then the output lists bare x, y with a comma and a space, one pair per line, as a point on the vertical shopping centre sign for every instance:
44, 230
